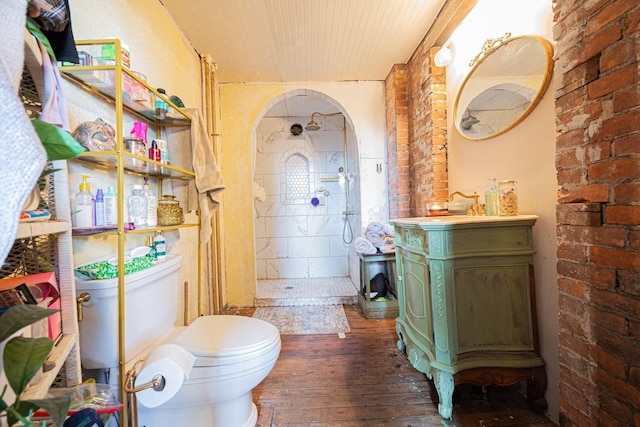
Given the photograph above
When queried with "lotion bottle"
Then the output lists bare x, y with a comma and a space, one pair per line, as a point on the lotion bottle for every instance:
491, 199
160, 244
84, 205
98, 206
110, 206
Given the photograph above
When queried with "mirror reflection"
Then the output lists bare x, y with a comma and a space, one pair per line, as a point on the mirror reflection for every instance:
506, 82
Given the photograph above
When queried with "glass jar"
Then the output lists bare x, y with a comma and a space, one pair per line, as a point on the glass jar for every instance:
507, 198
169, 211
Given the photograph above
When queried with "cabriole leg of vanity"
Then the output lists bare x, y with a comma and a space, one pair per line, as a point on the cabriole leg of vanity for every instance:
466, 302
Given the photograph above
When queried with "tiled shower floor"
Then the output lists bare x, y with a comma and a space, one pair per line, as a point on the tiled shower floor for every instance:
316, 291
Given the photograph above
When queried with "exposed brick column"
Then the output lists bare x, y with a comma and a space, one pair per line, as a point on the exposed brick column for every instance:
598, 168
427, 130
397, 141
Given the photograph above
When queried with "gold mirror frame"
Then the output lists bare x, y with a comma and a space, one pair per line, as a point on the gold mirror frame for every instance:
493, 57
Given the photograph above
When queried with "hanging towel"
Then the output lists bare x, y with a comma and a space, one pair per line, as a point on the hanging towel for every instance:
364, 246
54, 106
21, 155
209, 181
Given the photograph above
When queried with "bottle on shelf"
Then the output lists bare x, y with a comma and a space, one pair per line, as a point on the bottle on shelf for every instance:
98, 207
152, 248
139, 131
83, 211
154, 152
160, 245
491, 199
152, 204
138, 207
110, 206
162, 107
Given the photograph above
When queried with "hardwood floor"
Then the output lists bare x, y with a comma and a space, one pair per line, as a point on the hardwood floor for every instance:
364, 380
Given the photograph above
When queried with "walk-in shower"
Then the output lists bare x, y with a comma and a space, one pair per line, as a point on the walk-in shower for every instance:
344, 175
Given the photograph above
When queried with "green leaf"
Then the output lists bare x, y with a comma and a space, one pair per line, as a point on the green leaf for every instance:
57, 142
22, 358
22, 409
56, 407
19, 316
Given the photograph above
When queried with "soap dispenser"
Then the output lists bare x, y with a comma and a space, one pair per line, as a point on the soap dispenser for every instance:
491, 199
84, 205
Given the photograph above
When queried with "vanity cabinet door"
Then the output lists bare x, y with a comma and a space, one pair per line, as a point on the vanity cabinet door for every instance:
493, 306
416, 317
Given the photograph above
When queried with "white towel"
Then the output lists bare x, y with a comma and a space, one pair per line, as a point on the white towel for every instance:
376, 227
389, 230
364, 246
374, 237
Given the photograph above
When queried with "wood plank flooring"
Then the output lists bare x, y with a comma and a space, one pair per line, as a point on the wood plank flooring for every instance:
364, 380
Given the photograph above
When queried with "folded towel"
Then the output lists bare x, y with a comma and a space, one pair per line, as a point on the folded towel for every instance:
364, 246
374, 237
376, 227
389, 230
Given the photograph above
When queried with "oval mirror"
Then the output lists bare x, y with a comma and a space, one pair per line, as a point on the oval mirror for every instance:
506, 82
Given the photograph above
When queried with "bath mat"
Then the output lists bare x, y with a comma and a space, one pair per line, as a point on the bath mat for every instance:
304, 320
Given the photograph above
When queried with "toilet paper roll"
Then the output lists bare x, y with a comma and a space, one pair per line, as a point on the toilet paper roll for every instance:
171, 361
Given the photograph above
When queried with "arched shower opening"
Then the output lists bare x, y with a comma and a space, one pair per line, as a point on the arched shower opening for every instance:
306, 189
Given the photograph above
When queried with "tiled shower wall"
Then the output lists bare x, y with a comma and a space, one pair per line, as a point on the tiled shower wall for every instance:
294, 239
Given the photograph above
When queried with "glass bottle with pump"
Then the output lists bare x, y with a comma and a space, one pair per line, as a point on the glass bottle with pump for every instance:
138, 207
152, 204
491, 199
507, 198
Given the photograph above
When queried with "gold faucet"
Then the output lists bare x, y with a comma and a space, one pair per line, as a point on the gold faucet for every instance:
474, 209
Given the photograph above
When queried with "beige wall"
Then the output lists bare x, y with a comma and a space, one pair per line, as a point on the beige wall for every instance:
159, 51
241, 107
526, 153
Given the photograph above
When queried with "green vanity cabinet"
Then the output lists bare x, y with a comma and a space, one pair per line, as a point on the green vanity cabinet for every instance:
466, 302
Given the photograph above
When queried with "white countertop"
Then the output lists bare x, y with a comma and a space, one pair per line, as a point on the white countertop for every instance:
459, 219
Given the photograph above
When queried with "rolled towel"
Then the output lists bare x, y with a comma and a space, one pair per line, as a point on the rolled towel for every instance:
389, 230
375, 226
387, 249
364, 246
374, 237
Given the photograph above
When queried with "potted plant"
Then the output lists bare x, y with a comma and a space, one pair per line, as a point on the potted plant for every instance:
22, 358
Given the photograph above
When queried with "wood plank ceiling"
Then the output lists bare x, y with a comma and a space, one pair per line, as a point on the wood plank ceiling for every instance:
304, 40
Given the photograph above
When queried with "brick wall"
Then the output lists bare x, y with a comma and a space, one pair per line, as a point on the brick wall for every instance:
598, 167
427, 130
397, 141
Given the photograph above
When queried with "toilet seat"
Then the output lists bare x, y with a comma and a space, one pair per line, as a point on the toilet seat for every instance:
243, 340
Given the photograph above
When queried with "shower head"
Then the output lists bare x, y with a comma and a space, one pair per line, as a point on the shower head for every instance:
312, 125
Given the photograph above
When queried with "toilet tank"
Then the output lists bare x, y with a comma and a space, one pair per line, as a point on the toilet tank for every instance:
151, 308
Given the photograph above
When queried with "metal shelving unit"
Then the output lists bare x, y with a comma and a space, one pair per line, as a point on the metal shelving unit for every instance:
113, 83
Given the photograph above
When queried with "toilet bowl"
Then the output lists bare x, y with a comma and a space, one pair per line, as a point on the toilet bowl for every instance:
233, 353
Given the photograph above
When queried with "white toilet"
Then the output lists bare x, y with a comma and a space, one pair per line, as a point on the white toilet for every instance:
233, 353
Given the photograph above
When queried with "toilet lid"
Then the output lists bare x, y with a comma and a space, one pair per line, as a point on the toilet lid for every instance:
226, 335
